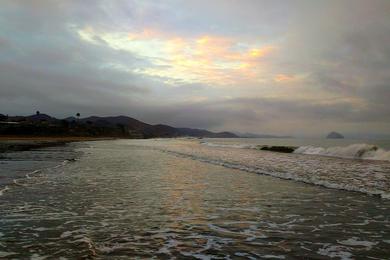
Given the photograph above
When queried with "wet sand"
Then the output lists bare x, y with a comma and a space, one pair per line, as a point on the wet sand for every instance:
24, 143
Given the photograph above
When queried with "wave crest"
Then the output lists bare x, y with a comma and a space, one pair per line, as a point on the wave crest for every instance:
354, 151
239, 146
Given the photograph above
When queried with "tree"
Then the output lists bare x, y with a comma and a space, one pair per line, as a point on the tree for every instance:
64, 123
37, 113
3, 117
78, 115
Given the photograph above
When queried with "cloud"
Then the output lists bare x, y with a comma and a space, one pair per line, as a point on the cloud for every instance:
209, 59
260, 66
284, 78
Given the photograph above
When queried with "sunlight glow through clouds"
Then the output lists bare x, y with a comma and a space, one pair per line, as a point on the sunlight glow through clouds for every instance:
281, 67
284, 78
207, 59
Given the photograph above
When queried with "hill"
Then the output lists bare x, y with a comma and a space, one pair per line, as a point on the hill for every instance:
251, 135
111, 126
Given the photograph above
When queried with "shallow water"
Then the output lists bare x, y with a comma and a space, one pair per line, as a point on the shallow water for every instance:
155, 198
367, 176
19, 165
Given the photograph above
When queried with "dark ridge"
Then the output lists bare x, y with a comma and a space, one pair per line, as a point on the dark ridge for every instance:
204, 133
251, 135
152, 131
41, 117
95, 126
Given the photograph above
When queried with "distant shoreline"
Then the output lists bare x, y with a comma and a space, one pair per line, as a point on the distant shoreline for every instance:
25, 143
95, 126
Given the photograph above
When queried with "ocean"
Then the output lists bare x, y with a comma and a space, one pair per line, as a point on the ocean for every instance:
197, 199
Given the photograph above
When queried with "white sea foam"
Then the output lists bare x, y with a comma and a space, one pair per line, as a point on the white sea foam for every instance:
37, 257
239, 146
289, 176
6, 254
334, 251
41, 229
3, 190
246, 255
220, 229
273, 256
353, 241
355, 151
66, 234
33, 172
16, 182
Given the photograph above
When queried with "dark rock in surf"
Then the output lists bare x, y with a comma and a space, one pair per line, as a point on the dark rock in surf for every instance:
279, 149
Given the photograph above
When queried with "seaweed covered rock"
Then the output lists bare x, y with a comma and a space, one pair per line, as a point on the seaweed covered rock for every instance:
279, 149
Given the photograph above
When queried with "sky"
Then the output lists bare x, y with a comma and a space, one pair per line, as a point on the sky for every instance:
301, 68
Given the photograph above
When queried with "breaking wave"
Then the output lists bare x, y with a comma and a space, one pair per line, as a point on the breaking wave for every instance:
239, 146
354, 151
331, 184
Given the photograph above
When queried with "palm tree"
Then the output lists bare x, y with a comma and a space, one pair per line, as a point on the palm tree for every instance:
37, 113
78, 115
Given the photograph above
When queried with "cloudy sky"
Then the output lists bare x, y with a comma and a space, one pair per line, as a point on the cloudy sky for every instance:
281, 67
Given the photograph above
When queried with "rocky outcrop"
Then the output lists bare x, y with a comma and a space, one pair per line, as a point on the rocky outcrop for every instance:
334, 135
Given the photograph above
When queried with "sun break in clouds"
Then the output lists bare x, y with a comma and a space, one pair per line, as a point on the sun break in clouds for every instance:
285, 67
206, 59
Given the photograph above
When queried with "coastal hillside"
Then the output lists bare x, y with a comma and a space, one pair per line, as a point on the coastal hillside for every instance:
111, 126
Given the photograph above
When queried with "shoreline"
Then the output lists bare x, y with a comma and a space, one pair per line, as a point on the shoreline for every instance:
25, 143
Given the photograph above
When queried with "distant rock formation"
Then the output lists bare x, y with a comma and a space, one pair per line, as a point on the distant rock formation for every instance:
334, 135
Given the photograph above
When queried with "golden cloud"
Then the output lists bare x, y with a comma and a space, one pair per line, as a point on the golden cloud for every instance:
283, 78
210, 59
